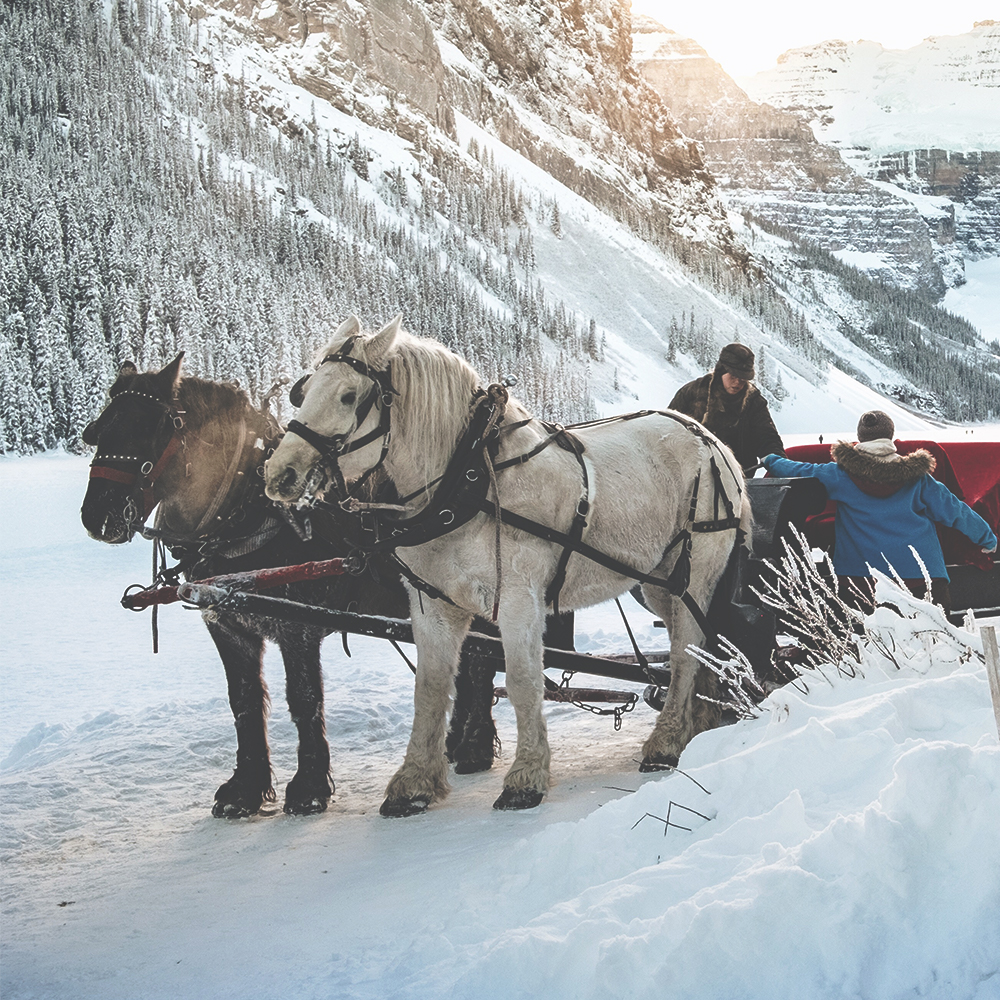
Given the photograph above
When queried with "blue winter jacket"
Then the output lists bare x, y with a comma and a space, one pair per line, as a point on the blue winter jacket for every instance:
878, 531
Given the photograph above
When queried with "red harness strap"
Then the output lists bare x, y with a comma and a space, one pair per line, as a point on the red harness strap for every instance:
115, 475
128, 478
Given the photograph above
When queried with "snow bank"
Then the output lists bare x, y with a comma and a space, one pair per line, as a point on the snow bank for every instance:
842, 844
851, 851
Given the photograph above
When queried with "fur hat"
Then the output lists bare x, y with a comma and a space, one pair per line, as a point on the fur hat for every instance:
737, 360
875, 424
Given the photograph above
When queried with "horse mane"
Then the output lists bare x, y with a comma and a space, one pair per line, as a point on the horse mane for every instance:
204, 400
434, 407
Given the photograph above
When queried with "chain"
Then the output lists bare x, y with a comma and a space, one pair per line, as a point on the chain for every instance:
619, 711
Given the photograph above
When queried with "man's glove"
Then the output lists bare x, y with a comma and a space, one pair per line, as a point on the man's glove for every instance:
990, 552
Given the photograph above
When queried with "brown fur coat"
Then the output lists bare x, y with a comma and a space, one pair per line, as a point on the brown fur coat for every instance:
743, 421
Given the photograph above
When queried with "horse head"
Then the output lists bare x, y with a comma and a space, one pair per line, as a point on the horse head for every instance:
135, 436
349, 391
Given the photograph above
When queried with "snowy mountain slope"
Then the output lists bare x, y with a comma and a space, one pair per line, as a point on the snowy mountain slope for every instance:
571, 113
842, 843
557, 85
767, 160
940, 94
922, 120
233, 184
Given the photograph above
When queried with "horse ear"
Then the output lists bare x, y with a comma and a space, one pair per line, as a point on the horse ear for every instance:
351, 327
170, 374
127, 368
378, 347
297, 393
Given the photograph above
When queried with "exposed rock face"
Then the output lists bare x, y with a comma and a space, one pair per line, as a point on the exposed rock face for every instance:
341, 49
554, 81
969, 184
768, 160
923, 120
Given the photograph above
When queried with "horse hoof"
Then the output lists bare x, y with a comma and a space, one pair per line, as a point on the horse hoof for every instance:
232, 810
305, 797
473, 766
525, 798
396, 808
237, 799
307, 807
659, 762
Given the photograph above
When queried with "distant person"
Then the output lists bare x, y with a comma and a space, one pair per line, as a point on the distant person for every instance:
887, 502
728, 403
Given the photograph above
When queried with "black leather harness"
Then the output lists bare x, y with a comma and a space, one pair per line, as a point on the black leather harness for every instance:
462, 491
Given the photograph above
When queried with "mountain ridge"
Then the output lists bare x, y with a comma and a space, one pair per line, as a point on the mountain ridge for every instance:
174, 184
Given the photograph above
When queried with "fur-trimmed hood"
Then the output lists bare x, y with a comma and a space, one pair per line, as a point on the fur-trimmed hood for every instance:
881, 476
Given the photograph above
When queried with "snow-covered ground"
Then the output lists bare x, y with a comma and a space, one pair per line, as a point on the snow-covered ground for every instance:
843, 844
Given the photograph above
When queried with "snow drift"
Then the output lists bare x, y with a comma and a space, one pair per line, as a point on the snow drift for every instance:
844, 843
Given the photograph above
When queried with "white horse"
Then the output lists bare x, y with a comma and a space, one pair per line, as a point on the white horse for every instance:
642, 475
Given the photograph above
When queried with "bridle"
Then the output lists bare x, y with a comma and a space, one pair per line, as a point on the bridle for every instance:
332, 446
146, 470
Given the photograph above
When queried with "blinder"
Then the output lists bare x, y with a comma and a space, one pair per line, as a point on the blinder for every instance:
332, 446
297, 393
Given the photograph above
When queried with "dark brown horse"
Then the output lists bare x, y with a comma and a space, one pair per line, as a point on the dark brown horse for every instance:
193, 449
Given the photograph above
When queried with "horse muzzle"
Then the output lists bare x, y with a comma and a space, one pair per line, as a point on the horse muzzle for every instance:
109, 517
288, 485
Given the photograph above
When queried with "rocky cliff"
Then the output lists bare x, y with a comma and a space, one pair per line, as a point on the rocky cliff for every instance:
921, 122
767, 159
554, 82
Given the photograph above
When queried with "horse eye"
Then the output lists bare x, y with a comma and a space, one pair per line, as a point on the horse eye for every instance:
348, 398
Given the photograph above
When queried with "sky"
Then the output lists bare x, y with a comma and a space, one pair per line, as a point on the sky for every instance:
748, 37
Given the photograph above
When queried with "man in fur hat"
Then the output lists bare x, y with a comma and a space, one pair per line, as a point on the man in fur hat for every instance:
887, 502
728, 403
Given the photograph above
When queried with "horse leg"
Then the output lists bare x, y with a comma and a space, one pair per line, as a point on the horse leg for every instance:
310, 789
684, 714
242, 654
472, 742
438, 631
522, 621
675, 725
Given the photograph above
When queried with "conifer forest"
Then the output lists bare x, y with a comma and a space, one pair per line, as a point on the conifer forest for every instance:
147, 209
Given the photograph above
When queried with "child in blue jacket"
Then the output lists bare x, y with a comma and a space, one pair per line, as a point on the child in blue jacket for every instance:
887, 502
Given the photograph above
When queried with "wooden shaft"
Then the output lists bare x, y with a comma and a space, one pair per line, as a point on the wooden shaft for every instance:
992, 654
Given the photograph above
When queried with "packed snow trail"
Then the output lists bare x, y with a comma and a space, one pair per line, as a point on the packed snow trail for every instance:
846, 843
